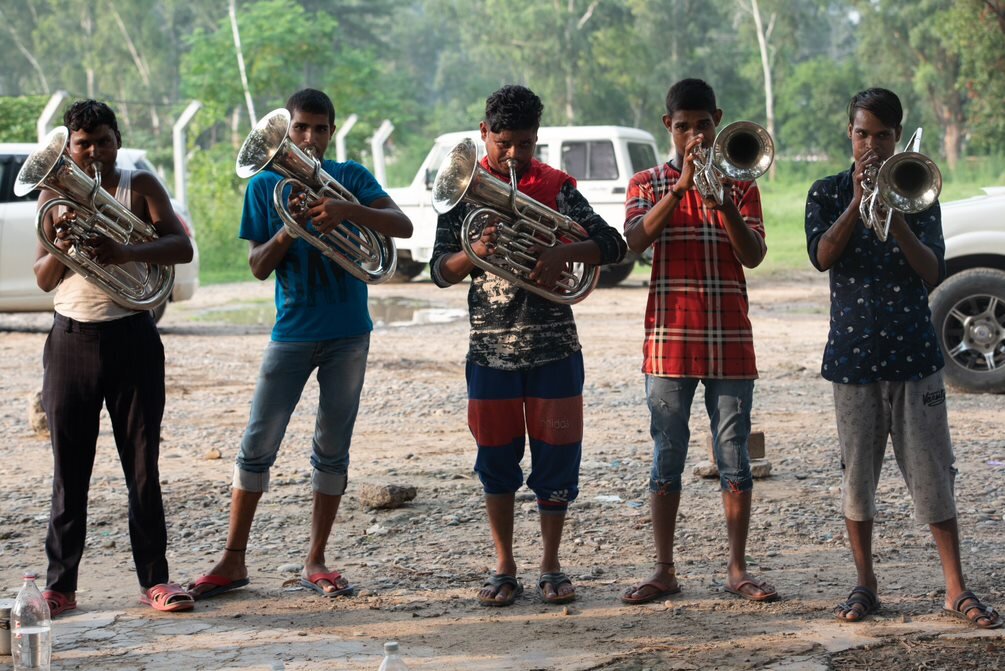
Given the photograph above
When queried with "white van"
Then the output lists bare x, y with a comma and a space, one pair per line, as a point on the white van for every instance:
601, 158
18, 239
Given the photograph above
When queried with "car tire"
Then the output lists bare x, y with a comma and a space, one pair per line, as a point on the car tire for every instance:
406, 271
611, 276
159, 311
968, 312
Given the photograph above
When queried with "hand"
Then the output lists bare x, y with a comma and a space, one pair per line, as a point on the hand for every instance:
327, 213
297, 205
870, 158
686, 180
486, 244
551, 263
63, 240
108, 252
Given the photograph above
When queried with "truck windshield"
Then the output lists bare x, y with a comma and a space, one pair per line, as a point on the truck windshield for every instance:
593, 159
641, 156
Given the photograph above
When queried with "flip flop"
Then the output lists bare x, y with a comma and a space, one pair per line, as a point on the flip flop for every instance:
991, 617
496, 582
662, 590
768, 593
58, 602
861, 596
557, 578
220, 584
168, 598
311, 583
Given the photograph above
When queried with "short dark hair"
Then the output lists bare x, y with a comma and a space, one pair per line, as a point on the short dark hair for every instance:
513, 107
691, 94
312, 101
87, 115
883, 103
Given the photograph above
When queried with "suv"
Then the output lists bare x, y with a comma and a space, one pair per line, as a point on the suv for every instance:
19, 240
601, 158
968, 308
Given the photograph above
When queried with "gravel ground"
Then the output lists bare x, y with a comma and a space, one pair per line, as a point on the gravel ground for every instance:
417, 568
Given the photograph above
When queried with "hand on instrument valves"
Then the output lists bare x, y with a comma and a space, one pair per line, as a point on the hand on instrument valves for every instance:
865, 175
106, 251
551, 263
686, 181
485, 245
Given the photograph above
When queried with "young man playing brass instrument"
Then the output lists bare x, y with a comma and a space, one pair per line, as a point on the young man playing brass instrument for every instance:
322, 323
99, 352
697, 330
883, 357
524, 365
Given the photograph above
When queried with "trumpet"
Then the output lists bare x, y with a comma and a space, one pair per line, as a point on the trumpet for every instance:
365, 254
742, 151
523, 226
908, 181
136, 286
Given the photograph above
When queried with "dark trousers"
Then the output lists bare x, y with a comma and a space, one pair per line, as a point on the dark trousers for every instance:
121, 364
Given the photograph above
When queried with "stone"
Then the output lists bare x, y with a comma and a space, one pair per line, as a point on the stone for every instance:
385, 496
36, 415
760, 468
706, 469
212, 454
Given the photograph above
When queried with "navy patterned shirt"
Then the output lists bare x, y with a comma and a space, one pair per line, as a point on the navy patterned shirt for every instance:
880, 327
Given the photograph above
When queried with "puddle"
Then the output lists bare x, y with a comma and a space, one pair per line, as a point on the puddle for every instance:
391, 312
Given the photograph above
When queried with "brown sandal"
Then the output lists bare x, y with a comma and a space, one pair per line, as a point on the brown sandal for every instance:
987, 617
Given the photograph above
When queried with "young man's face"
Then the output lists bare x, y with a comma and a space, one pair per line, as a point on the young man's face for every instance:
506, 145
311, 130
686, 124
870, 135
87, 147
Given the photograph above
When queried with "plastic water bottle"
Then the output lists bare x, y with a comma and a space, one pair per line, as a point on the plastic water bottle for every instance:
31, 628
392, 662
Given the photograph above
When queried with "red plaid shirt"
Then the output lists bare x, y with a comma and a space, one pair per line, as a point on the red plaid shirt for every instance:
696, 317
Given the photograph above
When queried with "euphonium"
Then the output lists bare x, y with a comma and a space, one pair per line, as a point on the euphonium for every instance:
363, 253
135, 285
908, 181
742, 151
523, 226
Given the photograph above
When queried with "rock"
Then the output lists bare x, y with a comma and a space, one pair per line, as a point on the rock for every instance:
290, 568
385, 496
706, 469
36, 415
760, 468
212, 454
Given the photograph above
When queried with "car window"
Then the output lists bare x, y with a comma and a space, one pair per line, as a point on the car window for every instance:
541, 153
641, 156
9, 167
593, 159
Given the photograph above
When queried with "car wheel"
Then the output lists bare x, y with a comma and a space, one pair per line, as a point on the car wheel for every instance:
158, 311
968, 311
406, 271
611, 276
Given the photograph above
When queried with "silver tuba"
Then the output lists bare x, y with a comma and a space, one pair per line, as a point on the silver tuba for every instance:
742, 151
135, 285
908, 181
523, 225
363, 253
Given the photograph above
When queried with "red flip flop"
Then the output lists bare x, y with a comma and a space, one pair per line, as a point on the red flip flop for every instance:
220, 585
58, 602
168, 597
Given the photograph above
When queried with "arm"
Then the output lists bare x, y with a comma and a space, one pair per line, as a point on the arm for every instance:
748, 244
49, 270
920, 257
172, 244
382, 215
642, 231
449, 263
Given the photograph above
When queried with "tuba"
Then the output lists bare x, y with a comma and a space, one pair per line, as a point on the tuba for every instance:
365, 254
742, 151
909, 182
523, 225
136, 285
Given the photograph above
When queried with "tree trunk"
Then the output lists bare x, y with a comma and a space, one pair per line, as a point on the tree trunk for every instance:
769, 97
240, 63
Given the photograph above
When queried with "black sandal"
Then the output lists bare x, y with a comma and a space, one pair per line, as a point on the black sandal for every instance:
862, 601
991, 618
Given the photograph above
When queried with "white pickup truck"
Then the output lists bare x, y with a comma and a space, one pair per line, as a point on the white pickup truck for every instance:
601, 158
968, 308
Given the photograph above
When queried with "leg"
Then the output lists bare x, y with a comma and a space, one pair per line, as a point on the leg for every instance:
554, 410
960, 601
496, 420
72, 402
669, 401
281, 379
341, 370
134, 382
863, 423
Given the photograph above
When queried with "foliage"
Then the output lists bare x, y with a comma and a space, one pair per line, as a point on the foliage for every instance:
18, 117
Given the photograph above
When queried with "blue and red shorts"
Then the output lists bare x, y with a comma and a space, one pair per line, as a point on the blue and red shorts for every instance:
544, 403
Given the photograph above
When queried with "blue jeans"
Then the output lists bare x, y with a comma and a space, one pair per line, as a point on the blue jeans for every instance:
286, 366
728, 404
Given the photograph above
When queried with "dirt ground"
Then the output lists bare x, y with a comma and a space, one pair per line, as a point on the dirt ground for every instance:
417, 568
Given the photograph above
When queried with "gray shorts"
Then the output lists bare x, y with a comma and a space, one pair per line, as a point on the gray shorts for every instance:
913, 414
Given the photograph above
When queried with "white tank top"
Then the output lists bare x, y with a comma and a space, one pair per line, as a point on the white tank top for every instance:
81, 300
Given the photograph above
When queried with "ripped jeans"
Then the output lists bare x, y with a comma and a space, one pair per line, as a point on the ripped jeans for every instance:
728, 404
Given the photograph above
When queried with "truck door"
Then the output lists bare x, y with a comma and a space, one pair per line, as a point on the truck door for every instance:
17, 241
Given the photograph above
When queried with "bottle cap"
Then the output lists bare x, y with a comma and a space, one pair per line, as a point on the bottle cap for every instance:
391, 647
30, 575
